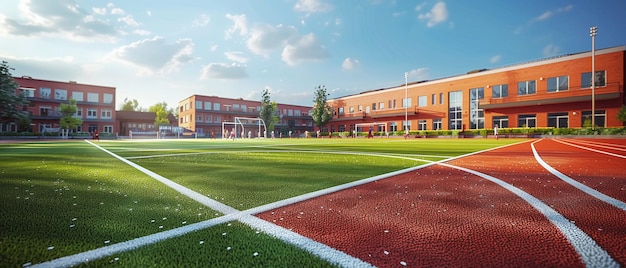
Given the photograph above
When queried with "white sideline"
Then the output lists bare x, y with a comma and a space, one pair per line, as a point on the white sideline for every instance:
588, 190
593, 150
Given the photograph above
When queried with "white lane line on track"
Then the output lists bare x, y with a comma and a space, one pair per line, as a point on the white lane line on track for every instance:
590, 252
590, 149
620, 147
588, 190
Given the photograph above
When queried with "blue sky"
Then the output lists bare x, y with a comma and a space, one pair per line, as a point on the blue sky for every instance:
157, 51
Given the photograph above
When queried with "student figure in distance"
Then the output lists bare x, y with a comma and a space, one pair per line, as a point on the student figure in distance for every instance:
495, 131
232, 134
96, 135
370, 133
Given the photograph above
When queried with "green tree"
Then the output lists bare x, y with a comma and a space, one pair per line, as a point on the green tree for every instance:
68, 110
322, 113
162, 113
130, 105
10, 102
268, 111
621, 115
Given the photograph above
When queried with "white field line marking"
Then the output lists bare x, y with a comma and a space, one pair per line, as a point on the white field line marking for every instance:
588, 190
181, 189
590, 149
323, 251
616, 147
590, 252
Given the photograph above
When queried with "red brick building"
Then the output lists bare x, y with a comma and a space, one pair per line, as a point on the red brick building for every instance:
96, 104
553, 92
205, 114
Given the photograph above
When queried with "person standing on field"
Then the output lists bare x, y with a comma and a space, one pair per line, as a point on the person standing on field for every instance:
495, 131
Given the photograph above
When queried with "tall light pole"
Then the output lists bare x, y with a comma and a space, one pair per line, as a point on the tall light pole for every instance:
592, 32
406, 105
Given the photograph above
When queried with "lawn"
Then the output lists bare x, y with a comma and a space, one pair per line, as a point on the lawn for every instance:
63, 198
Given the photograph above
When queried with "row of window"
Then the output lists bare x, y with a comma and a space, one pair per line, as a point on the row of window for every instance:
92, 113
216, 106
61, 94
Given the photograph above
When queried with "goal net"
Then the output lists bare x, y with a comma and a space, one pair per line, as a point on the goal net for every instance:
244, 127
381, 128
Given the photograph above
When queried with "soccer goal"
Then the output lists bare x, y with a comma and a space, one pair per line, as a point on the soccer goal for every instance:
243, 127
376, 127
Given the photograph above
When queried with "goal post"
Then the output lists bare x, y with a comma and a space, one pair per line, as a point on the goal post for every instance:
378, 127
243, 127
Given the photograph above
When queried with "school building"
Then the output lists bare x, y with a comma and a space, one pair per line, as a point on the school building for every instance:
96, 104
204, 115
552, 92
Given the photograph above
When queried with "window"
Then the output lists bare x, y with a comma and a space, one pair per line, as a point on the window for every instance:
600, 118
390, 105
360, 108
78, 96
107, 129
198, 105
477, 115
208, 119
235, 107
586, 79
28, 92
406, 125
367, 109
290, 112
340, 110
374, 106
558, 120
527, 120
92, 97
394, 104
106, 114
298, 113
43, 110
92, 113
560, 83
437, 124
433, 99
440, 98
501, 121
500, 91
79, 112
421, 124
393, 126
351, 109
207, 105
244, 107
217, 118
44, 93
60, 94
381, 105
107, 98
406, 103
422, 101
455, 110
216, 106
526, 87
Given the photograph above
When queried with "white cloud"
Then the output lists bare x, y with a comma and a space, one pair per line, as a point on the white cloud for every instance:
312, 6
240, 24
495, 59
203, 21
224, 71
128, 20
544, 16
236, 56
551, 50
307, 48
350, 64
418, 74
438, 14
264, 38
156, 55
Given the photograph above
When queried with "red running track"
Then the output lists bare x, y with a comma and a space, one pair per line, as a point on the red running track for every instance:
442, 216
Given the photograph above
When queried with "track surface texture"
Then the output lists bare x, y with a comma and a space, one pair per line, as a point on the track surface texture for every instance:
500, 208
